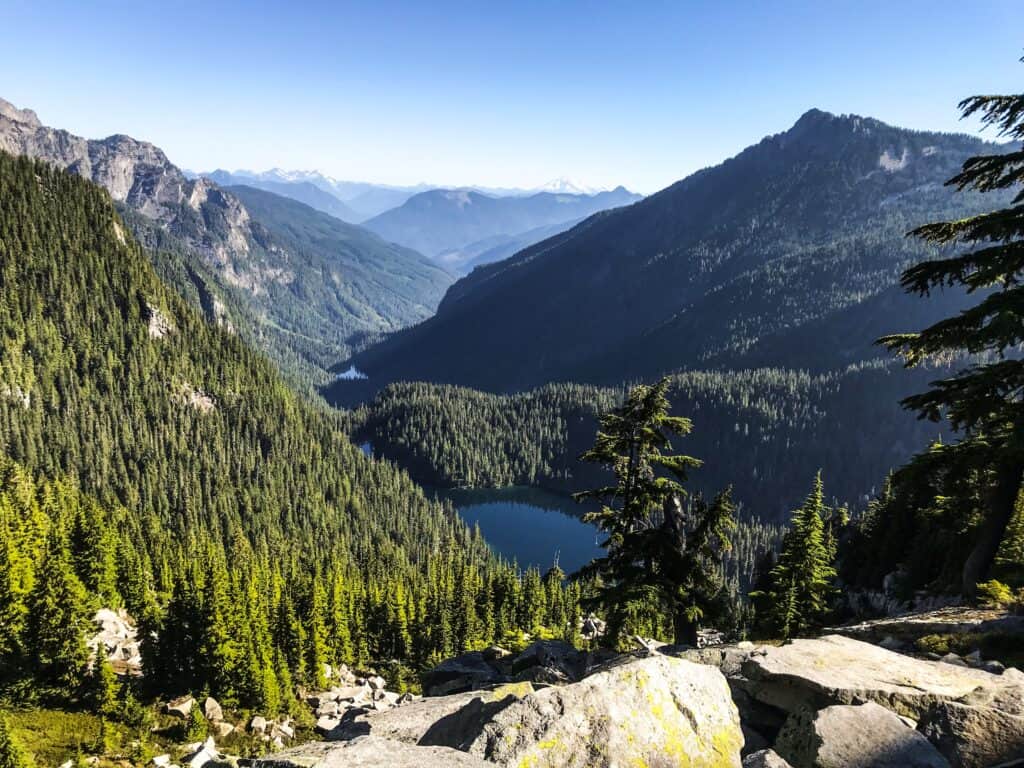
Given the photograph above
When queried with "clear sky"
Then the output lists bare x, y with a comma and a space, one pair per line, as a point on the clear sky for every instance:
495, 93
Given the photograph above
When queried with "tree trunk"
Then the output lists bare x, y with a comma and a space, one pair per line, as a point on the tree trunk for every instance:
993, 528
685, 630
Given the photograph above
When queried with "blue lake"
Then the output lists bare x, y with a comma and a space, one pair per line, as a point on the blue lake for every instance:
530, 526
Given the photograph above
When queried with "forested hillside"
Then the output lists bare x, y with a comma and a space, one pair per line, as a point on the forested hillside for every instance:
787, 255
234, 518
305, 297
763, 431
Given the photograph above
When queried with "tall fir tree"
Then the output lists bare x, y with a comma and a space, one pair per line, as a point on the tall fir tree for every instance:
983, 401
58, 619
800, 584
650, 564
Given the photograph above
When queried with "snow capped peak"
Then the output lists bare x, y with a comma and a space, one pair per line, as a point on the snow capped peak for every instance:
567, 186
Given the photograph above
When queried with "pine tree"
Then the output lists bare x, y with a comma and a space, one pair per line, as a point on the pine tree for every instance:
102, 686
650, 563
11, 754
983, 400
58, 619
801, 583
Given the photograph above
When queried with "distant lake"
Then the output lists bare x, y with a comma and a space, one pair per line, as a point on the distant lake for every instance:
530, 526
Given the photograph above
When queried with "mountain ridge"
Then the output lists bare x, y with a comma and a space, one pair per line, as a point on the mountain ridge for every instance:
795, 229
261, 281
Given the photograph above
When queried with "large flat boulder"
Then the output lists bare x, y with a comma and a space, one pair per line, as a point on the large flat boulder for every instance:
863, 736
452, 721
813, 674
656, 711
984, 728
368, 752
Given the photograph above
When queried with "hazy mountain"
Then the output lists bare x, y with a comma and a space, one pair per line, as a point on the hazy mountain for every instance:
786, 255
364, 199
499, 247
446, 220
302, 191
300, 296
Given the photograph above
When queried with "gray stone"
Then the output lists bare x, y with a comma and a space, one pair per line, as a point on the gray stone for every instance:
952, 658
864, 736
467, 672
985, 727
222, 729
653, 711
212, 709
258, 724
838, 670
447, 721
765, 758
180, 707
369, 752
327, 724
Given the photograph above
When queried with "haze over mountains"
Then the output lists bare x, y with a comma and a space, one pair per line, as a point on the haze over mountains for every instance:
788, 254
452, 225
300, 296
460, 228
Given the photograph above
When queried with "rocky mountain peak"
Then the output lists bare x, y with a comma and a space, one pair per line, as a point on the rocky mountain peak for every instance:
26, 116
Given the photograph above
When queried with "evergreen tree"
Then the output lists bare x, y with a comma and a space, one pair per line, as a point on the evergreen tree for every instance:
58, 619
801, 583
102, 686
650, 564
982, 401
11, 754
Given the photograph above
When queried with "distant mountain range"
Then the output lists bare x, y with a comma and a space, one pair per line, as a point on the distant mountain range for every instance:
300, 285
788, 254
457, 227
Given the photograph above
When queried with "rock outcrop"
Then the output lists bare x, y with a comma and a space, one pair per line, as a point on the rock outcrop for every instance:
117, 639
652, 711
863, 736
212, 222
369, 752
839, 670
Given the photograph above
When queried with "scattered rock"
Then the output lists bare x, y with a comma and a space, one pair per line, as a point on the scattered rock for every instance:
765, 758
222, 730
952, 658
160, 761
864, 736
327, 724
212, 709
447, 721
369, 752
652, 711
206, 753
181, 707
258, 724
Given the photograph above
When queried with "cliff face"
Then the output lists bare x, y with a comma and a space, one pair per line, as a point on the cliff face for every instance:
212, 222
293, 282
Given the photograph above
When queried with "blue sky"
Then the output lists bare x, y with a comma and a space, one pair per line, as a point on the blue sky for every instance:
495, 93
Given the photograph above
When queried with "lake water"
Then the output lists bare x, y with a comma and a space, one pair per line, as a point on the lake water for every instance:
530, 526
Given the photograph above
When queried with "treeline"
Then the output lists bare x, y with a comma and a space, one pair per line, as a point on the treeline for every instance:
233, 517
759, 429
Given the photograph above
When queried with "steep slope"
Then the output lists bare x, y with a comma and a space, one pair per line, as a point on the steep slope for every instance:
303, 191
235, 518
787, 254
445, 220
269, 288
500, 247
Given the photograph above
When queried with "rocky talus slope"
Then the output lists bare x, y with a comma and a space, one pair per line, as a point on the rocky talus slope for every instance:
832, 702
